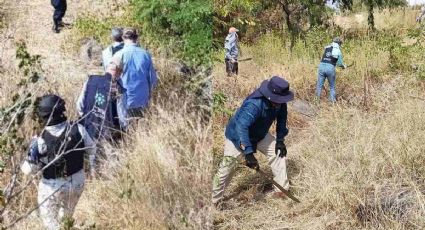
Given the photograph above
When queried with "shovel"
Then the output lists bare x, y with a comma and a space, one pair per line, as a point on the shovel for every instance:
245, 59
284, 191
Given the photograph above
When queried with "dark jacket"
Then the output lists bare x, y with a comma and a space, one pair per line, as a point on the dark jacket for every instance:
98, 111
252, 122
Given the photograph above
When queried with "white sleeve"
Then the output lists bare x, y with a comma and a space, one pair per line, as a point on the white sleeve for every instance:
106, 57
117, 59
80, 101
89, 144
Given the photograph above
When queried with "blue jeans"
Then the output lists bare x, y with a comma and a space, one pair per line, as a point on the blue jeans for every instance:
326, 71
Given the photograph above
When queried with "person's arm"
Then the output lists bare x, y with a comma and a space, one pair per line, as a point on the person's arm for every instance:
281, 129
117, 61
89, 145
31, 163
80, 101
106, 57
247, 115
340, 61
336, 53
152, 74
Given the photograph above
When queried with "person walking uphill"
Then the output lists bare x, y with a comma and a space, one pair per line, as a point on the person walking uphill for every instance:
59, 153
332, 57
248, 131
100, 106
60, 9
231, 52
117, 45
138, 77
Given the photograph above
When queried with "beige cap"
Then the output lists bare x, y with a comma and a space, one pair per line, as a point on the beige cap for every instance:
233, 29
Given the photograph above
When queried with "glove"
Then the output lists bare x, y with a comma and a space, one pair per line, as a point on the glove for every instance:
344, 67
251, 161
280, 149
33, 154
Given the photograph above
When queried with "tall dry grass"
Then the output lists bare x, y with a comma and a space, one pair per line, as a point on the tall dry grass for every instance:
354, 165
158, 178
161, 179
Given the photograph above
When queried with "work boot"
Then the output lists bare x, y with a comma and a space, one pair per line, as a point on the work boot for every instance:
63, 24
55, 29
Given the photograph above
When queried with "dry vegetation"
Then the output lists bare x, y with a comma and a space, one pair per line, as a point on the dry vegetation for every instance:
158, 178
355, 165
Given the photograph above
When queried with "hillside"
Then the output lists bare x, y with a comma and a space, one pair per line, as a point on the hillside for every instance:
145, 183
357, 164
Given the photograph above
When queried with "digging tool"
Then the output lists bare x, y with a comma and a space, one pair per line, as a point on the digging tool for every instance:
245, 59
350, 65
286, 192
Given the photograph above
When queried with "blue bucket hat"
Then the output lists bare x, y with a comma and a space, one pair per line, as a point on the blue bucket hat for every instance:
275, 90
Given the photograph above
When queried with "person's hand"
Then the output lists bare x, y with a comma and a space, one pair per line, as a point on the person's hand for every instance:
344, 67
280, 149
418, 19
233, 60
114, 70
251, 161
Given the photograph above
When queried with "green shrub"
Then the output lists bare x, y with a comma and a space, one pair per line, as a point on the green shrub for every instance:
182, 26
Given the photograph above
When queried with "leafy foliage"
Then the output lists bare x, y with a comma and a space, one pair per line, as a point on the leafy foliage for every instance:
184, 26
292, 17
220, 99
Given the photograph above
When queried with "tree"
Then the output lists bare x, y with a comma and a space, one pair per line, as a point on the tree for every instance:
371, 6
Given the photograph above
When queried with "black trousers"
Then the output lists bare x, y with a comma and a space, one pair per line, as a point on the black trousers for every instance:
60, 9
231, 68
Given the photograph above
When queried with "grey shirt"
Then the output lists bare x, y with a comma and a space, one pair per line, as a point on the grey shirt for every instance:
231, 46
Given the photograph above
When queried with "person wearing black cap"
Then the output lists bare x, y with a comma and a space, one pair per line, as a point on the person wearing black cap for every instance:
248, 131
60, 9
59, 155
331, 58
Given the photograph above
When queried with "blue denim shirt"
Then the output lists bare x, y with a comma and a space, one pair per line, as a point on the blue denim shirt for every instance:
252, 122
138, 75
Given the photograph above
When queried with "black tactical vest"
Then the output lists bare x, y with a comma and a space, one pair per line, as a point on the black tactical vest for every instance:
117, 48
327, 56
70, 144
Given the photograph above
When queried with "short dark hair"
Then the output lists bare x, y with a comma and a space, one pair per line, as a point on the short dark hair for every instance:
130, 33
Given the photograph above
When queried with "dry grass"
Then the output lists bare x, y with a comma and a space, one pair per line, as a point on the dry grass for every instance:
162, 177
159, 177
356, 165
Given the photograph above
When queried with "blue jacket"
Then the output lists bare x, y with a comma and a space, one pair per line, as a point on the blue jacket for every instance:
252, 122
138, 75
